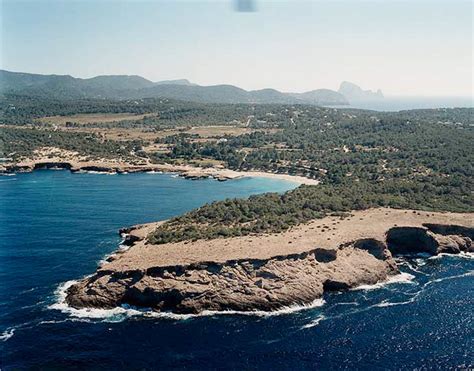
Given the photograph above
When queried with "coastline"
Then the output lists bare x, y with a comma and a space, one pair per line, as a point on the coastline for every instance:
121, 167
271, 271
265, 272
330, 232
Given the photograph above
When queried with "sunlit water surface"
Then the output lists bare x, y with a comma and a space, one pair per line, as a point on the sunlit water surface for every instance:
56, 226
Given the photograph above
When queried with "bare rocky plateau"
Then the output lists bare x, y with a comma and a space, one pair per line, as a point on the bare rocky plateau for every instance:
268, 272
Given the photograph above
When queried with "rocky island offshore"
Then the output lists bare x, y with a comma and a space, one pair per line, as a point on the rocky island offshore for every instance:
270, 271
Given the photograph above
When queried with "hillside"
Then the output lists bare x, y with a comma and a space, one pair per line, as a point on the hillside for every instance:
326, 96
136, 87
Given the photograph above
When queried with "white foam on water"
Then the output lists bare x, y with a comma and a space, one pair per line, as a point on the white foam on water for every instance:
467, 274
419, 255
349, 303
420, 262
467, 255
96, 172
262, 313
413, 268
119, 314
51, 322
399, 278
153, 172
385, 303
7, 334
253, 313
28, 290
417, 294
461, 255
107, 315
111, 315
314, 322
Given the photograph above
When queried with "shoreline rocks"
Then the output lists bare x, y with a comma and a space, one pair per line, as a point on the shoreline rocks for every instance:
267, 283
244, 285
76, 167
110, 166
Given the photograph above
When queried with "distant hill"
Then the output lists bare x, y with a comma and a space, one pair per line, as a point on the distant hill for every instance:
175, 82
65, 86
322, 96
354, 92
134, 87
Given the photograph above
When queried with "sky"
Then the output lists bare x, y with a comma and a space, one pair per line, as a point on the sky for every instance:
404, 47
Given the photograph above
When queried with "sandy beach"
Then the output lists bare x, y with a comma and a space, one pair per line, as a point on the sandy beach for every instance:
59, 158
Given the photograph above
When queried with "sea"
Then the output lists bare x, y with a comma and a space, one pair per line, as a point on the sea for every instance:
55, 227
395, 103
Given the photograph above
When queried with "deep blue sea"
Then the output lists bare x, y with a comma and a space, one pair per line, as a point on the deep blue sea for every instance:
56, 226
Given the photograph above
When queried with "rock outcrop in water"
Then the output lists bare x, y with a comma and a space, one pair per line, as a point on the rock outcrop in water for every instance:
268, 272
354, 93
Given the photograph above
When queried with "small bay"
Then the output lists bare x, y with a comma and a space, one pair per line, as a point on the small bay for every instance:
56, 226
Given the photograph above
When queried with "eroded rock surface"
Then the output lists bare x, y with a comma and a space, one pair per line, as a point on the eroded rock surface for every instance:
408, 240
242, 274
235, 285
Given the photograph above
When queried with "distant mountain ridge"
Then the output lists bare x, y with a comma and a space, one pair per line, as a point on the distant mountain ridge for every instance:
175, 82
136, 87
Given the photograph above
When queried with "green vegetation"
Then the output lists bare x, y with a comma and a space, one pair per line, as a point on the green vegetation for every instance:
412, 159
334, 145
272, 213
17, 143
20, 110
136, 87
419, 159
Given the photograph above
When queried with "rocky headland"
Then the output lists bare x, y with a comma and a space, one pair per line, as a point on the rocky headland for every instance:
269, 271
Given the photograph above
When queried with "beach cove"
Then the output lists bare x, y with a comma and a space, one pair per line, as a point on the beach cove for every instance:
64, 224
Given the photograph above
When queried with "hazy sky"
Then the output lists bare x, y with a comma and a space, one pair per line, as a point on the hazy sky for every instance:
412, 47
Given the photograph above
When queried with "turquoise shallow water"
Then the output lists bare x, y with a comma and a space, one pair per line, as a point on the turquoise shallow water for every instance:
55, 226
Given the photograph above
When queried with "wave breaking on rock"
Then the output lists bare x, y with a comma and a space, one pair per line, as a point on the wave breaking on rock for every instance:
254, 280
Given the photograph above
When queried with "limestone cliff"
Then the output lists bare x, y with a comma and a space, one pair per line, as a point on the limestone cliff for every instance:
251, 273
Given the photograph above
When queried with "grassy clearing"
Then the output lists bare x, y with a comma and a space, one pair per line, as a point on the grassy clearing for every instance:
90, 118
